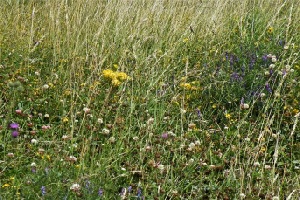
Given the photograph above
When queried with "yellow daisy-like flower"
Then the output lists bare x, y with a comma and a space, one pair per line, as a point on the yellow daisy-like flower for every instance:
270, 30
227, 115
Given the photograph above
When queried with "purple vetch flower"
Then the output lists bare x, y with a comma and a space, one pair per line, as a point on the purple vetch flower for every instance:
129, 189
100, 192
268, 88
139, 194
264, 58
15, 134
199, 114
43, 190
14, 126
235, 77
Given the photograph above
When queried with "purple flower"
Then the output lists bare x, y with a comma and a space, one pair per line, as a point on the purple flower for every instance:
164, 135
268, 88
14, 126
265, 57
15, 134
100, 192
43, 189
129, 189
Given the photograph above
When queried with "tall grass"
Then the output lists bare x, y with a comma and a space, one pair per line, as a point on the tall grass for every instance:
149, 99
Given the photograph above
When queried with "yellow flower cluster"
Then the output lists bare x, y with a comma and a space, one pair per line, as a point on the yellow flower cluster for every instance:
116, 77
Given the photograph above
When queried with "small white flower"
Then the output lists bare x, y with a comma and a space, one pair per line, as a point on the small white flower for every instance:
197, 142
75, 187
34, 141
150, 121
105, 131
275, 198
267, 73
100, 120
286, 47
192, 145
46, 115
11, 155
262, 95
161, 167
244, 106
37, 73
135, 138
86, 110
268, 167
33, 164
72, 158
45, 87
272, 66
242, 195
274, 59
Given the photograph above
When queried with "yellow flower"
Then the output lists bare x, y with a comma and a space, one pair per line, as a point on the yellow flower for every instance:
227, 115
115, 82
121, 76
5, 185
65, 119
270, 30
187, 86
108, 73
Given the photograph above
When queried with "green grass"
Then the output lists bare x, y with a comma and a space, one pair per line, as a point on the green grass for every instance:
149, 99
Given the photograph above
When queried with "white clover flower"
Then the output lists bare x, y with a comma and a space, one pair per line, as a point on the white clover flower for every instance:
105, 131
100, 120
46, 86
274, 59
192, 145
34, 141
33, 164
242, 195
75, 187
86, 110
272, 66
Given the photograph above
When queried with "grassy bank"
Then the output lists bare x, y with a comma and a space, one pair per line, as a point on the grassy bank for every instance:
150, 99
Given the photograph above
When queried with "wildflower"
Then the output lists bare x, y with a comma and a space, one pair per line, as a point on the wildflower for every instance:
268, 88
227, 115
15, 134
11, 155
18, 112
164, 135
46, 86
43, 190
75, 187
72, 159
86, 110
105, 131
268, 167
65, 119
34, 141
245, 106
100, 120
100, 192
256, 164
5, 185
115, 82
14, 126
108, 73
242, 195
121, 76
270, 30
274, 59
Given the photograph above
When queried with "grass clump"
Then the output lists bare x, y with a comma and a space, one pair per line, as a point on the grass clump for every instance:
149, 99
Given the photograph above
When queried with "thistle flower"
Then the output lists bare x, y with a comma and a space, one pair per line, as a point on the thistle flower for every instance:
15, 134
14, 126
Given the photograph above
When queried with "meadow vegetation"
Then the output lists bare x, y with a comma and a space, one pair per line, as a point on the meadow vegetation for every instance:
149, 99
